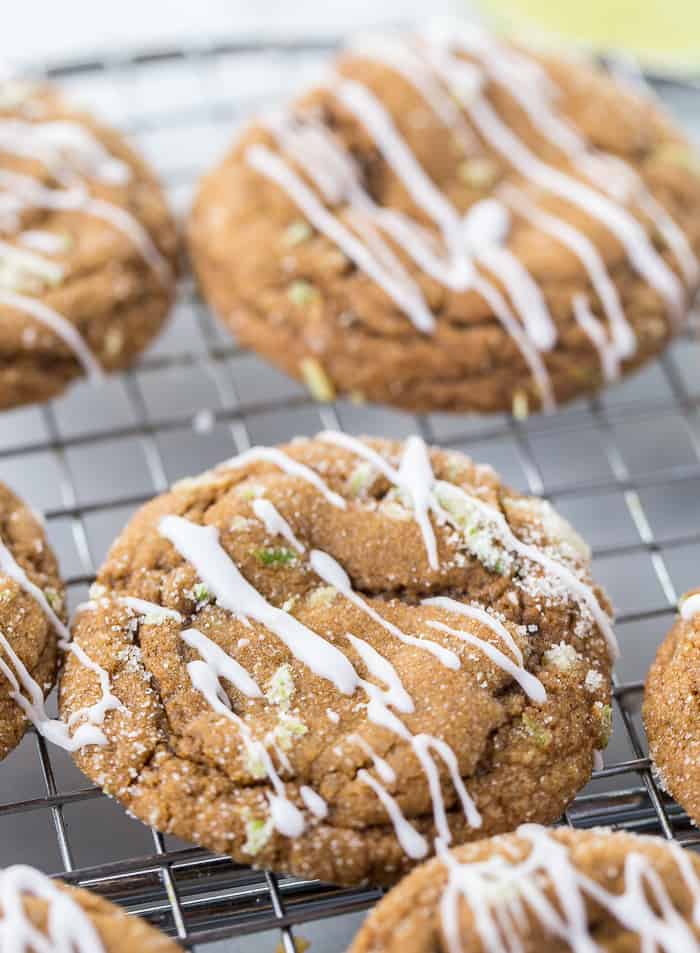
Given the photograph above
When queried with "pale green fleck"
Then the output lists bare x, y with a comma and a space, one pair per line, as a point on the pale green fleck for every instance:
258, 833
521, 406
288, 604
479, 536
281, 687
287, 729
255, 765
54, 599
239, 524
276, 556
541, 735
317, 380
479, 172
321, 597
201, 592
605, 715
155, 618
677, 153
6, 595
301, 292
249, 491
361, 478
297, 233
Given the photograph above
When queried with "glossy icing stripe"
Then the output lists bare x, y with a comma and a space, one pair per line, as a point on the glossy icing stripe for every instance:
68, 928
200, 546
60, 326
503, 891
408, 297
623, 337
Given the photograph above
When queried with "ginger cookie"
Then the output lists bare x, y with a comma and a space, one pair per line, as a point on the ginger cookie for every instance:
671, 712
87, 247
32, 614
452, 223
541, 890
39, 913
324, 656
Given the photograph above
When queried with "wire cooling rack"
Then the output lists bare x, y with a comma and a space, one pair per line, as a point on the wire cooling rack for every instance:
624, 468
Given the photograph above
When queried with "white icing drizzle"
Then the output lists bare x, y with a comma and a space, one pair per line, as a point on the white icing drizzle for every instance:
531, 685
11, 568
430, 65
145, 608
333, 716
690, 607
530, 86
479, 234
381, 766
594, 329
381, 669
63, 147
415, 476
583, 593
200, 546
275, 523
336, 176
422, 745
313, 801
412, 842
333, 573
222, 663
292, 467
43, 241
26, 192
479, 615
405, 61
286, 817
502, 890
60, 326
405, 292
624, 343
68, 927
20, 260
53, 729
640, 251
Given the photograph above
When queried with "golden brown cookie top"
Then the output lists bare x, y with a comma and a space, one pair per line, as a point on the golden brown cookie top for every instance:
671, 711
85, 234
445, 217
540, 890
27, 635
69, 919
332, 651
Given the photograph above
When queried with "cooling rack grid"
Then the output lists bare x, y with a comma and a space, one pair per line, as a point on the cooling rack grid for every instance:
624, 468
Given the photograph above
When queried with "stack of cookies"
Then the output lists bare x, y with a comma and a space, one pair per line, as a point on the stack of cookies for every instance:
342, 657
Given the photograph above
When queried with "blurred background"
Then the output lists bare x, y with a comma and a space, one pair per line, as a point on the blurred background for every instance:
625, 468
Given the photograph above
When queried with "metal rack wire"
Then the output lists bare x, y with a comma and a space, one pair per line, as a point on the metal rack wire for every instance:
625, 468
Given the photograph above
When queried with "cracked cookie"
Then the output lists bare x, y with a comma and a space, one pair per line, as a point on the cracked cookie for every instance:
451, 223
541, 890
39, 913
321, 658
87, 247
32, 610
671, 711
